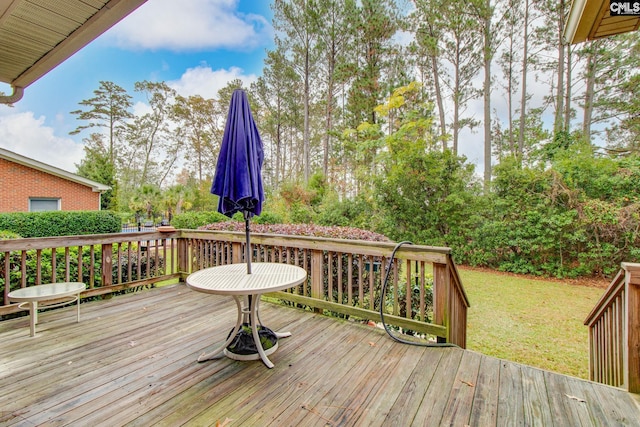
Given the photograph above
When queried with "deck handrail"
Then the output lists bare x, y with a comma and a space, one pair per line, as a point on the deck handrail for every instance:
614, 332
352, 291
105, 262
426, 295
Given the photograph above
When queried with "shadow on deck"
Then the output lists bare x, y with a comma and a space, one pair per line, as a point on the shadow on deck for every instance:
132, 361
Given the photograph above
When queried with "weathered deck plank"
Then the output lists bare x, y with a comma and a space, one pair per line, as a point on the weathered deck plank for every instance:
132, 361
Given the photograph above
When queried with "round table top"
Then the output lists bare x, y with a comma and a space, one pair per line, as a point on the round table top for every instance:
46, 292
232, 279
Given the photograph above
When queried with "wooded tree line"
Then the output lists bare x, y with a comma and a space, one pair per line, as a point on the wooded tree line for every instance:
364, 108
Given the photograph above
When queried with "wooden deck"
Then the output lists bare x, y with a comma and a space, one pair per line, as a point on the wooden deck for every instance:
132, 361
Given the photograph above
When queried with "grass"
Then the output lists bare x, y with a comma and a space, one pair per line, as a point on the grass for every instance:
528, 320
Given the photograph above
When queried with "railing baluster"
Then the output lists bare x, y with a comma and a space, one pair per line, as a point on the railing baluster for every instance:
7, 277
67, 265
54, 262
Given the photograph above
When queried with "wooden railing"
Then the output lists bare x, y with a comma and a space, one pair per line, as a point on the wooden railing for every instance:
425, 294
614, 332
105, 262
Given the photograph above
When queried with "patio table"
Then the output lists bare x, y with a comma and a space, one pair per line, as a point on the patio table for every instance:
233, 280
69, 291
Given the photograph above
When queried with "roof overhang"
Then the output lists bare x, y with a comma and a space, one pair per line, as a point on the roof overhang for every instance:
591, 19
52, 170
38, 35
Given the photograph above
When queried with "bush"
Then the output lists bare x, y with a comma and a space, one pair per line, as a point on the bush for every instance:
8, 235
60, 223
194, 220
354, 213
349, 233
268, 218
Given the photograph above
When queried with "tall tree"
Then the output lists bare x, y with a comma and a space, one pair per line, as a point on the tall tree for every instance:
97, 166
556, 60
484, 11
610, 101
200, 125
524, 74
110, 109
459, 49
427, 25
296, 19
375, 26
149, 136
275, 93
334, 21
511, 34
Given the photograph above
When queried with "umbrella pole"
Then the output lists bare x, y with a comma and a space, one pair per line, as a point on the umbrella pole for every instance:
247, 250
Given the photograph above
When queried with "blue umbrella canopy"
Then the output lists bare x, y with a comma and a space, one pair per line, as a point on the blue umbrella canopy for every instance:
238, 176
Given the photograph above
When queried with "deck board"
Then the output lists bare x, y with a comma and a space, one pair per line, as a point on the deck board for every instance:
132, 361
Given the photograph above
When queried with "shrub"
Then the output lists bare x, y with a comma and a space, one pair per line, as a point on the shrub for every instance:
60, 223
268, 218
194, 220
354, 213
7, 235
312, 230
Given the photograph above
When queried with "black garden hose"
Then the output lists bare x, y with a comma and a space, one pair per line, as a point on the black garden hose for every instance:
382, 297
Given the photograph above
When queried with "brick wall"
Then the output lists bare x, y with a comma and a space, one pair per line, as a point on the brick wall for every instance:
18, 183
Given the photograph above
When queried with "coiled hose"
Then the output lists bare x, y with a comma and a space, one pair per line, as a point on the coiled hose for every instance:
382, 297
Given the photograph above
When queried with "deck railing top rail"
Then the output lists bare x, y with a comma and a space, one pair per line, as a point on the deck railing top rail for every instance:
365, 247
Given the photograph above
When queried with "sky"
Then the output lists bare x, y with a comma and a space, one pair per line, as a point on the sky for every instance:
196, 47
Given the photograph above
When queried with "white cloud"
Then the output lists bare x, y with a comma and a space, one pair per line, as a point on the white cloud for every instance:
206, 82
192, 25
24, 134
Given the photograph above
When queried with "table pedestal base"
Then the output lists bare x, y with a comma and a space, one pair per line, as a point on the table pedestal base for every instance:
251, 310
252, 356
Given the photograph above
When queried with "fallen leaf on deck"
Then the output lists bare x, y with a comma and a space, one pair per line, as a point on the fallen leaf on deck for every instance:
224, 423
468, 383
576, 398
132, 343
372, 344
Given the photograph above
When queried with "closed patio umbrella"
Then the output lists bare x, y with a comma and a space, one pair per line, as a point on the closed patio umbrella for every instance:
238, 175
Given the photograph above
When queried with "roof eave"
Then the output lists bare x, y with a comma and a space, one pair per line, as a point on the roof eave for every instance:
52, 170
101, 21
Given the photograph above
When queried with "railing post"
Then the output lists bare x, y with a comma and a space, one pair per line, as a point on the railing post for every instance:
441, 285
316, 275
632, 328
107, 264
237, 253
183, 255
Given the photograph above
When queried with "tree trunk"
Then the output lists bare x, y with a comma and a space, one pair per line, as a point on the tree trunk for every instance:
278, 169
438, 94
589, 92
487, 97
567, 101
523, 95
559, 122
306, 116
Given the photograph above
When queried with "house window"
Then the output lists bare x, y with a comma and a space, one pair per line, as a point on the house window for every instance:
41, 204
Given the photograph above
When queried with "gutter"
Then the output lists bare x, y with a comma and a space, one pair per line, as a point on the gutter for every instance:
14, 97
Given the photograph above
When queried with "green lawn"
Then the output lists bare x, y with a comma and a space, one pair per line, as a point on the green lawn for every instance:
530, 321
